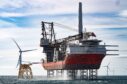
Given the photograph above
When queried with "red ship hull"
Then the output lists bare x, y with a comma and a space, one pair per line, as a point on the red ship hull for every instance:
76, 61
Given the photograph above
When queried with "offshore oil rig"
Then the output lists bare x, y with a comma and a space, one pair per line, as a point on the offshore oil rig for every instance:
83, 58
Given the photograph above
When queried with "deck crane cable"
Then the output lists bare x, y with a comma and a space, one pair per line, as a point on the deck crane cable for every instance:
65, 26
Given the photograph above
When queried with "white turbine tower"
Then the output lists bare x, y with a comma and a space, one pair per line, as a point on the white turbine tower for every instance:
107, 67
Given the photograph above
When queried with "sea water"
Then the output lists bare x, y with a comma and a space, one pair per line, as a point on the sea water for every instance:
45, 80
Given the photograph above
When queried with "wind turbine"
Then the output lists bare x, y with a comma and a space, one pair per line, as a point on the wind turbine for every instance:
107, 67
20, 52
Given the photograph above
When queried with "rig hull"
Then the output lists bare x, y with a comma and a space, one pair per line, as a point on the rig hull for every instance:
75, 62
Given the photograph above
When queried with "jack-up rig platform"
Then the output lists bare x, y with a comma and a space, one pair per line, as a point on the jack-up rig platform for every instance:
84, 57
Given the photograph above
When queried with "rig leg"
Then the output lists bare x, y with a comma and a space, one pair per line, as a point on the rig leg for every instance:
50, 73
84, 74
93, 74
72, 74
59, 72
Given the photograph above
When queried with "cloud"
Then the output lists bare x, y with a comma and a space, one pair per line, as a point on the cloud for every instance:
11, 4
4, 24
30, 13
35, 10
1, 56
13, 14
123, 13
39, 7
4, 35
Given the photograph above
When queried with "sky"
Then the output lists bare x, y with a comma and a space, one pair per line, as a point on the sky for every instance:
21, 20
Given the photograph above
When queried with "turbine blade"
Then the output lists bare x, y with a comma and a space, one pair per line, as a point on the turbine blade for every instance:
17, 63
104, 66
28, 50
108, 64
16, 44
19, 60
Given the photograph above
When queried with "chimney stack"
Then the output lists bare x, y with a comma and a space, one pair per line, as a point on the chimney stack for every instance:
80, 26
